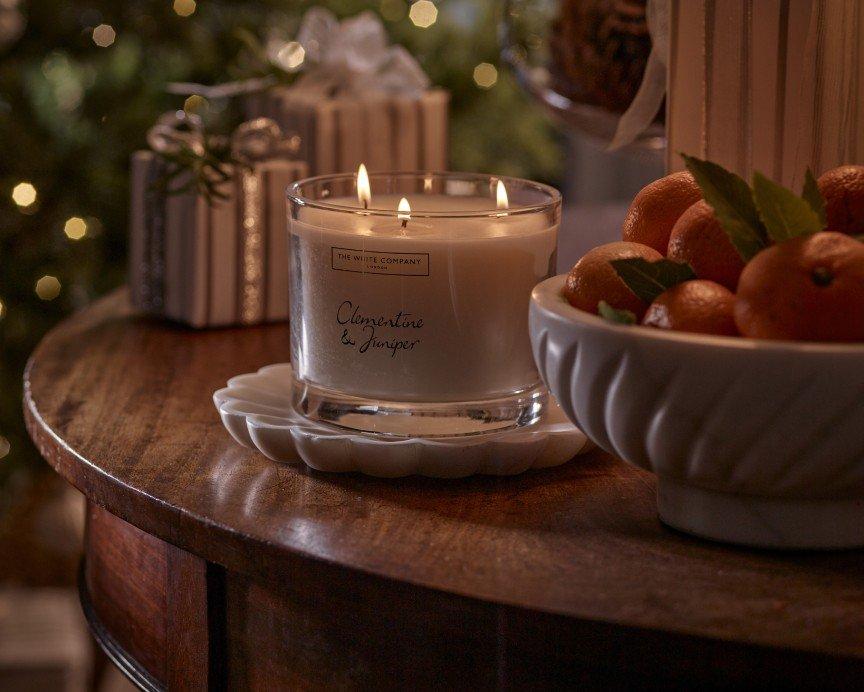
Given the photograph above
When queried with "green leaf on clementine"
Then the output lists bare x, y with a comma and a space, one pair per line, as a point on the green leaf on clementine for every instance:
732, 201
813, 197
610, 314
785, 214
649, 279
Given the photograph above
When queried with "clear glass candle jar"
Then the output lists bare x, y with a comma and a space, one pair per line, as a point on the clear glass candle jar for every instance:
415, 323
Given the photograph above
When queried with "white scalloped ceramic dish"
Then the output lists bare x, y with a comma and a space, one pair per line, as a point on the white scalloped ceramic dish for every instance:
753, 442
256, 409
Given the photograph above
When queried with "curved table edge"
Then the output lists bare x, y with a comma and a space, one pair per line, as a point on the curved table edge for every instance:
55, 450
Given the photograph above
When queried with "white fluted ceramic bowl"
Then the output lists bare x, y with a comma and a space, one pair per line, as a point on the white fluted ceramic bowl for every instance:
753, 442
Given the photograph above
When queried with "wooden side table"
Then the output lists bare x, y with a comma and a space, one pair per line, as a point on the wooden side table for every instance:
208, 566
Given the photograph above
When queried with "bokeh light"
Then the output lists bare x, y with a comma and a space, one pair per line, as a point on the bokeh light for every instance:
2, 309
104, 35
48, 287
291, 56
185, 8
4, 446
423, 13
196, 104
75, 228
24, 194
485, 75
392, 10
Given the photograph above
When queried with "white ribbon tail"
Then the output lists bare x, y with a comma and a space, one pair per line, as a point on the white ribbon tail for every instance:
221, 91
639, 116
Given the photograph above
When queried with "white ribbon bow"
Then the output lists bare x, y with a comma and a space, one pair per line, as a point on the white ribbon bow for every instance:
353, 57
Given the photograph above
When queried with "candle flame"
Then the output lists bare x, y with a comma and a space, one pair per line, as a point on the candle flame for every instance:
364, 190
404, 210
501, 194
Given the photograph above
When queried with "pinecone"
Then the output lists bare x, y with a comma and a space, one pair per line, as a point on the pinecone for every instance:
599, 51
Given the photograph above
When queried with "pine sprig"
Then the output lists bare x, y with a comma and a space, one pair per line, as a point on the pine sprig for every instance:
202, 172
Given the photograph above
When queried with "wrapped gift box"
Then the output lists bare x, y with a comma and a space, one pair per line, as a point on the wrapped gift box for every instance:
767, 85
354, 98
338, 133
210, 263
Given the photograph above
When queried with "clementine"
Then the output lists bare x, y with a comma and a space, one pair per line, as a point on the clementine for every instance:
806, 289
699, 306
593, 278
698, 239
657, 207
843, 190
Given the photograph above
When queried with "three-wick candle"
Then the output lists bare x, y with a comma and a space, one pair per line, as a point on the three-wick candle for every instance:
419, 290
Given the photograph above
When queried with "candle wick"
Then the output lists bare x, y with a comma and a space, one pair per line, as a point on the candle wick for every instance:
404, 224
365, 203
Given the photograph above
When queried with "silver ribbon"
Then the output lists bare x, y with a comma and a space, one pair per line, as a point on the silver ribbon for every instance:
175, 130
262, 139
256, 140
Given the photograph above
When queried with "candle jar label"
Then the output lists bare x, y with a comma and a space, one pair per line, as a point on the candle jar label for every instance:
394, 333
374, 262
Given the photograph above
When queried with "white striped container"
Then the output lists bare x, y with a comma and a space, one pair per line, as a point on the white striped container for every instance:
767, 85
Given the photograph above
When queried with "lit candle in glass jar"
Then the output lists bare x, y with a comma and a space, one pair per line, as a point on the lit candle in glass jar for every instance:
409, 300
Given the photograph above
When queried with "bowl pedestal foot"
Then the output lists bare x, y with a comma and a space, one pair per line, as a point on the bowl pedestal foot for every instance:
761, 522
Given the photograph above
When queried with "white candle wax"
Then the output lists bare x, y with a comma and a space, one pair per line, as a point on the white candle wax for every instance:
434, 311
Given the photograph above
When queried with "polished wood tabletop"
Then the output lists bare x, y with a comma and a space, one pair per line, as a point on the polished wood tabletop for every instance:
266, 573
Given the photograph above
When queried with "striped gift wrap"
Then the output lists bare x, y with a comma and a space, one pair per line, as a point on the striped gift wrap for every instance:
211, 263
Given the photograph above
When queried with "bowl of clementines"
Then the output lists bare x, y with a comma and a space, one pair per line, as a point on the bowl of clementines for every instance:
720, 345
